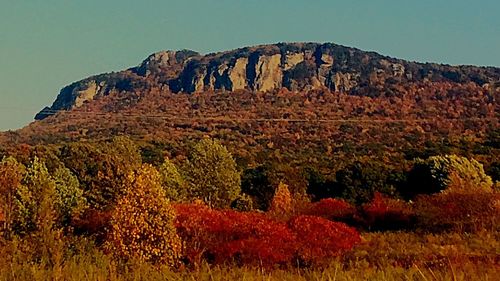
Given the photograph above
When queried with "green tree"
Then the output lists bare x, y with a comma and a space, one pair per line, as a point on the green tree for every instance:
359, 181
448, 173
212, 175
142, 222
102, 167
35, 199
172, 181
256, 182
70, 201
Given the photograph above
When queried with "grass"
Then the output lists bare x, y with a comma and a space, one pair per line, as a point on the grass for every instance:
382, 256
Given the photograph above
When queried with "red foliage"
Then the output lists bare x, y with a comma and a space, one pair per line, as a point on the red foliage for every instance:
386, 213
253, 238
319, 239
460, 212
331, 209
93, 222
245, 237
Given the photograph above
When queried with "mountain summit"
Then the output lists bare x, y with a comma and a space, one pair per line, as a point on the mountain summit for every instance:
265, 68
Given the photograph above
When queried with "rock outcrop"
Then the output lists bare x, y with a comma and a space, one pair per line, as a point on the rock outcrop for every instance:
296, 66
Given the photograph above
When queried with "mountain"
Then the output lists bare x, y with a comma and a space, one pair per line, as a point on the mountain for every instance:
295, 66
321, 105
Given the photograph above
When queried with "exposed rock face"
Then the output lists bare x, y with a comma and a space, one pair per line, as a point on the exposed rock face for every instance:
269, 75
296, 66
238, 74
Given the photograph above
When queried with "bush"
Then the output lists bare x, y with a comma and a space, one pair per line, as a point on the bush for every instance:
243, 203
230, 236
319, 240
471, 212
93, 222
255, 239
212, 175
331, 209
449, 173
257, 184
383, 213
142, 222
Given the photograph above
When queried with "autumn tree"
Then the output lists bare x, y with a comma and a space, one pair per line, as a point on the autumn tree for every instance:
101, 168
282, 203
212, 175
142, 222
11, 175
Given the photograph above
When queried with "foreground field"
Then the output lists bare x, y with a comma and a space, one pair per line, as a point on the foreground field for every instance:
381, 256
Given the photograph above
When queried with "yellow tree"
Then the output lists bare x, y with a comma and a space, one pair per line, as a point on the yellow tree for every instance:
142, 222
282, 203
11, 175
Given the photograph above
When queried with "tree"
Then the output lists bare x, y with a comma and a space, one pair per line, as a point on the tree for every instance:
35, 199
142, 222
212, 175
70, 201
358, 182
448, 173
282, 203
256, 183
102, 168
11, 175
172, 181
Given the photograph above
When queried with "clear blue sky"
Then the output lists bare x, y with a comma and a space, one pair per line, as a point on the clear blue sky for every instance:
47, 44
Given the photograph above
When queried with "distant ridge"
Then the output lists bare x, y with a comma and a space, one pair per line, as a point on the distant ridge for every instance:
264, 68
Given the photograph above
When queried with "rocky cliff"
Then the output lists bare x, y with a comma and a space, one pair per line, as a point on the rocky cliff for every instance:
295, 66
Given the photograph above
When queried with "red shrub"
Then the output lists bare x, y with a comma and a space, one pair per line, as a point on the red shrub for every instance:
253, 238
320, 239
459, 211
331, 209
384, 213
93, 222
220, 236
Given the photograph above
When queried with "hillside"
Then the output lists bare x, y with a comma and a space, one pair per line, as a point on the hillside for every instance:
306, 103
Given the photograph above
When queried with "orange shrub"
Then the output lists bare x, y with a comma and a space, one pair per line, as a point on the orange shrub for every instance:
142, 223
